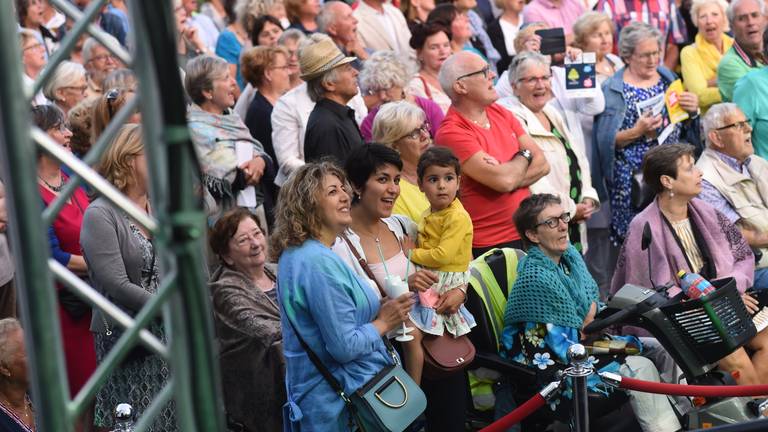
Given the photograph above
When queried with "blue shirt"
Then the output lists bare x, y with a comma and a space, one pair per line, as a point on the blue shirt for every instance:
333, 309
229, 48
751, 94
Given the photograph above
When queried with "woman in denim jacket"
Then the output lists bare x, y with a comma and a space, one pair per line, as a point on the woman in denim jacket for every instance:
635, 119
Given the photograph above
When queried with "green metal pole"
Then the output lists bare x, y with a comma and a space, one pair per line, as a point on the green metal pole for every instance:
36, 292
196, 367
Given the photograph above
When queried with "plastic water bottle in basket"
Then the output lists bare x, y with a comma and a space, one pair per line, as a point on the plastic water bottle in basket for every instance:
694, 285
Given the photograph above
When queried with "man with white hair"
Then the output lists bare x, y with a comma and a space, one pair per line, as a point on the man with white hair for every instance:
498, 160
748, 21
336, 19
98, 62
735, 179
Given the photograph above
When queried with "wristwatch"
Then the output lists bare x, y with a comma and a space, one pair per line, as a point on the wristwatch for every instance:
526, 154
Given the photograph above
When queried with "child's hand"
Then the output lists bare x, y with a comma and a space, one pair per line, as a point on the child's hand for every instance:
422, 280
450, 302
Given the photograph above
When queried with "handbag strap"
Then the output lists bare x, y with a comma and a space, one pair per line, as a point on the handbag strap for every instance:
363, 263
315, 359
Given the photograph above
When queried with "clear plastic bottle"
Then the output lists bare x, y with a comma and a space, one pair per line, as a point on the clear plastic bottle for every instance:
694, 285
123, 418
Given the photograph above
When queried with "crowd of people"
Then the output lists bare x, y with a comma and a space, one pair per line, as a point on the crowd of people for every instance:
346, 142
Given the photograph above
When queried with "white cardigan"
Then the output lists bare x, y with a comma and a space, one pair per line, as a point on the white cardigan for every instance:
289, 127
557, 181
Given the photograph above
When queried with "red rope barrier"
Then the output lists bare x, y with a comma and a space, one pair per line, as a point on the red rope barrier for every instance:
692, 390
516, 416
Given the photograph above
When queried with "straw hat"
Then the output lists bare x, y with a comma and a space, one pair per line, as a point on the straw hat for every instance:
321, 57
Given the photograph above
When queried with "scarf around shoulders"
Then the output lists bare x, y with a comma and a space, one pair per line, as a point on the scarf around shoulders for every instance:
215, 137
730, 254
544, 293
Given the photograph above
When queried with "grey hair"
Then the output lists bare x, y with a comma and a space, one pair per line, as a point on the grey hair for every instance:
385, 69
25, 34
731, 11
7, 327
698, 4
291, 34
715, 117
120, 78
201, 71
66, 74
633, 34
521, 62
246, 11
316, 86
326, 17
92, 43
395, 120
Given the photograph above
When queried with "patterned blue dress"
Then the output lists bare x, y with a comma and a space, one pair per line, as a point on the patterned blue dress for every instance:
630, 158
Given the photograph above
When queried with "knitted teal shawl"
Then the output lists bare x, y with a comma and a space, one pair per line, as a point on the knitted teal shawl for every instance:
544, 293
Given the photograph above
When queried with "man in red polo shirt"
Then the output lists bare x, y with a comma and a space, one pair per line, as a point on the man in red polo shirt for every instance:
498, 160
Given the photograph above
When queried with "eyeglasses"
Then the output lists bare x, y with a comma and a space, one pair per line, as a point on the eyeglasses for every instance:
534, 80
78, 89
486, 71
103, 57
37, 45
554, 222
417, 133
648, 55
742, 126
284, 67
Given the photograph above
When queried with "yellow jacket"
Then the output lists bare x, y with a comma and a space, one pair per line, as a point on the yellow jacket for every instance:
445, 239
699, 64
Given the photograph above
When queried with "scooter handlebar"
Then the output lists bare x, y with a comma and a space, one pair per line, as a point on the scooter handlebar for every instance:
597, 325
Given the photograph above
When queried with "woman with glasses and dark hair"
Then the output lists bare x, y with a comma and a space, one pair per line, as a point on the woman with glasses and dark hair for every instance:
64, 239
384, 79
531, 79
551, 301
690, 235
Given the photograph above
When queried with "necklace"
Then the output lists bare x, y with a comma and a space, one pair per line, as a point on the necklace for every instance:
485, 125
58, 188
376, 236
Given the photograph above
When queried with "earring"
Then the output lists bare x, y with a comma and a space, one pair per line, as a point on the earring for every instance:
671, 193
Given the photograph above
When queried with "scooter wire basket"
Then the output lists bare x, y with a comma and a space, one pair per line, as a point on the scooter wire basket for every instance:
713, 325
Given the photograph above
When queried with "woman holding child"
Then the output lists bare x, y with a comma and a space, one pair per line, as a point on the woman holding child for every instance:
377, 243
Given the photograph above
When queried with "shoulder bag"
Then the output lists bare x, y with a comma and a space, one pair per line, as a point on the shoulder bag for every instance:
389, 402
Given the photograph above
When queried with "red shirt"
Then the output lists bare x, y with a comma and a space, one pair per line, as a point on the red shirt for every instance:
491, 211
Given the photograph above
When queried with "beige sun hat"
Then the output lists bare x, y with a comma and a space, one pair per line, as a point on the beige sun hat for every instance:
321, 57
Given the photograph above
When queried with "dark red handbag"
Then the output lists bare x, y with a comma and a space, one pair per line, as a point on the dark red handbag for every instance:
446, 355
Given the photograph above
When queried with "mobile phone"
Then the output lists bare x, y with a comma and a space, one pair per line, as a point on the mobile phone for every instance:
552, 40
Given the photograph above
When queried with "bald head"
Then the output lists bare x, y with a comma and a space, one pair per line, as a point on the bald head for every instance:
458, 64
336, 20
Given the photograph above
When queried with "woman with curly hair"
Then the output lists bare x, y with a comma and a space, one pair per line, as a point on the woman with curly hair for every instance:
334, 310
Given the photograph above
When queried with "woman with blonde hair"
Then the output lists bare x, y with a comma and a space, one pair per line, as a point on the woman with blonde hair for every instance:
403, 127
123, 266
337, 313
699, 60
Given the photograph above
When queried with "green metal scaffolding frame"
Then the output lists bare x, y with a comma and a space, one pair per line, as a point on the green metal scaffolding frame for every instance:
177, 225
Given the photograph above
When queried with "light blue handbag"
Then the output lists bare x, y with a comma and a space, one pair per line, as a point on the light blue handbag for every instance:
389, 402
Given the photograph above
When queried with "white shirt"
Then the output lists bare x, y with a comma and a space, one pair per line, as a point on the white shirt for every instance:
289, 127
509, 31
